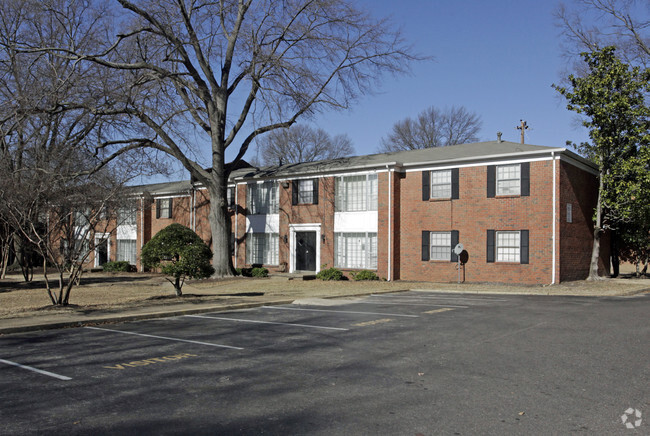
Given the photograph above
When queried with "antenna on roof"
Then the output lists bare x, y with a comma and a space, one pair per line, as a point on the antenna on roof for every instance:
499, 137
523, 127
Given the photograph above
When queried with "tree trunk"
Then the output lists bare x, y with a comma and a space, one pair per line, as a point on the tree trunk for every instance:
595, 250
177, 287
219, 220
614, 254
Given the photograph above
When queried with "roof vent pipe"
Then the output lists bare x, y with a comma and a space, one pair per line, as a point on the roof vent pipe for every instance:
499, 137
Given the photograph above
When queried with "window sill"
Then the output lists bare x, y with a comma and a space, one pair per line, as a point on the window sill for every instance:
433, 200
508, 196
439, 261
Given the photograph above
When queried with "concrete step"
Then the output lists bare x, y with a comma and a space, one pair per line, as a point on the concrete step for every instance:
293, 276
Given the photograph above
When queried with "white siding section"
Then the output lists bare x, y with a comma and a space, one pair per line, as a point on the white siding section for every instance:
263, 223
356, 221
127, 231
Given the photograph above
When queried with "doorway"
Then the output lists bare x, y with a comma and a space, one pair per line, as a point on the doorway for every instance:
306, 251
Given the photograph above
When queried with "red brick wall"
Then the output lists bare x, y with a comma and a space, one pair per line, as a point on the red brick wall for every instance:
472, 215
579, 188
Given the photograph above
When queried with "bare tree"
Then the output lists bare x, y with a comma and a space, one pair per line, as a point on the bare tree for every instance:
48, 136
589, 25
231, 70
433, 128
301, 143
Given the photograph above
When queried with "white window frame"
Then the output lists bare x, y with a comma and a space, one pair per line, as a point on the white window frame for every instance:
366, 200
442, 252
306, 191
127, 215
165, 208
365, 258
508, 246
132, 257
270, 248
505, 180
263, 198
440, 189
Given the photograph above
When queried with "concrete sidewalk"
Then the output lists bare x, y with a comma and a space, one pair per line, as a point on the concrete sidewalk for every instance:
75, 316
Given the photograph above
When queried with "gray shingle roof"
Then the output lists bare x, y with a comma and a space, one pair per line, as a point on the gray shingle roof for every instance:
478, 151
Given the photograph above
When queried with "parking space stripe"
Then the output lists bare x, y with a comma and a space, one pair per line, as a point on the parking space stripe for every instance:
40, 371
166, 338
426, 297
415, 304
266, 322
338, 311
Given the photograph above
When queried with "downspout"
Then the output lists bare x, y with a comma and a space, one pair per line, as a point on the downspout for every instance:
390, 201
553, 257
193, 216
236, 226
141, 230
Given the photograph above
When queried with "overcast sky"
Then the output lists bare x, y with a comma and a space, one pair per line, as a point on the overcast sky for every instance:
497, 58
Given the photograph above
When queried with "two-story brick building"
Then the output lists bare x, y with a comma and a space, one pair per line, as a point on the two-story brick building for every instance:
522, 212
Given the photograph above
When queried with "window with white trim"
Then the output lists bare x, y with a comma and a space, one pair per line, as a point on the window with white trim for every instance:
164, 208
305, 191
356, 193
440, 243
508, 179
262, 248
126, 215
230, 196
355, 250
508, 246
440, 184
126, 250
262, 198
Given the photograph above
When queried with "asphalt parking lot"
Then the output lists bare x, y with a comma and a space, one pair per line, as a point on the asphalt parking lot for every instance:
404, 363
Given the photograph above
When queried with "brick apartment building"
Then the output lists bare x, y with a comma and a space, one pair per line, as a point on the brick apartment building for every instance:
522, 212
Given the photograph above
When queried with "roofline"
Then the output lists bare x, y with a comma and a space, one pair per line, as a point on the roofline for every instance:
400, 166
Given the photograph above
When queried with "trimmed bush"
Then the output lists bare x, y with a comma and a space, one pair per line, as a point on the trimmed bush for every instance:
259, 272
119, 266
364, 274
330, 274
180, 253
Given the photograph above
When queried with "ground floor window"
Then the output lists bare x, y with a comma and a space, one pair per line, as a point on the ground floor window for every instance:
440, 245
126, 250
262, 248
355, 250
508, 246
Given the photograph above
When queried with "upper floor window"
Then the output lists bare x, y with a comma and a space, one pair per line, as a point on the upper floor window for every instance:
230, 196
510, 179
262, 198
356, 193
126, 215
440, 184
164, 207
304, 191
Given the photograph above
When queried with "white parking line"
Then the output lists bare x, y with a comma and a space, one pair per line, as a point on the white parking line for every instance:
413, 304
166, 338
40, 371
267, 322
338, 311
425, 297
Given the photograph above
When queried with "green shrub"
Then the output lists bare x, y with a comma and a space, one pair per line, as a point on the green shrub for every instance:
330, 274
119, 266
180, 253
364, 274
259, 272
